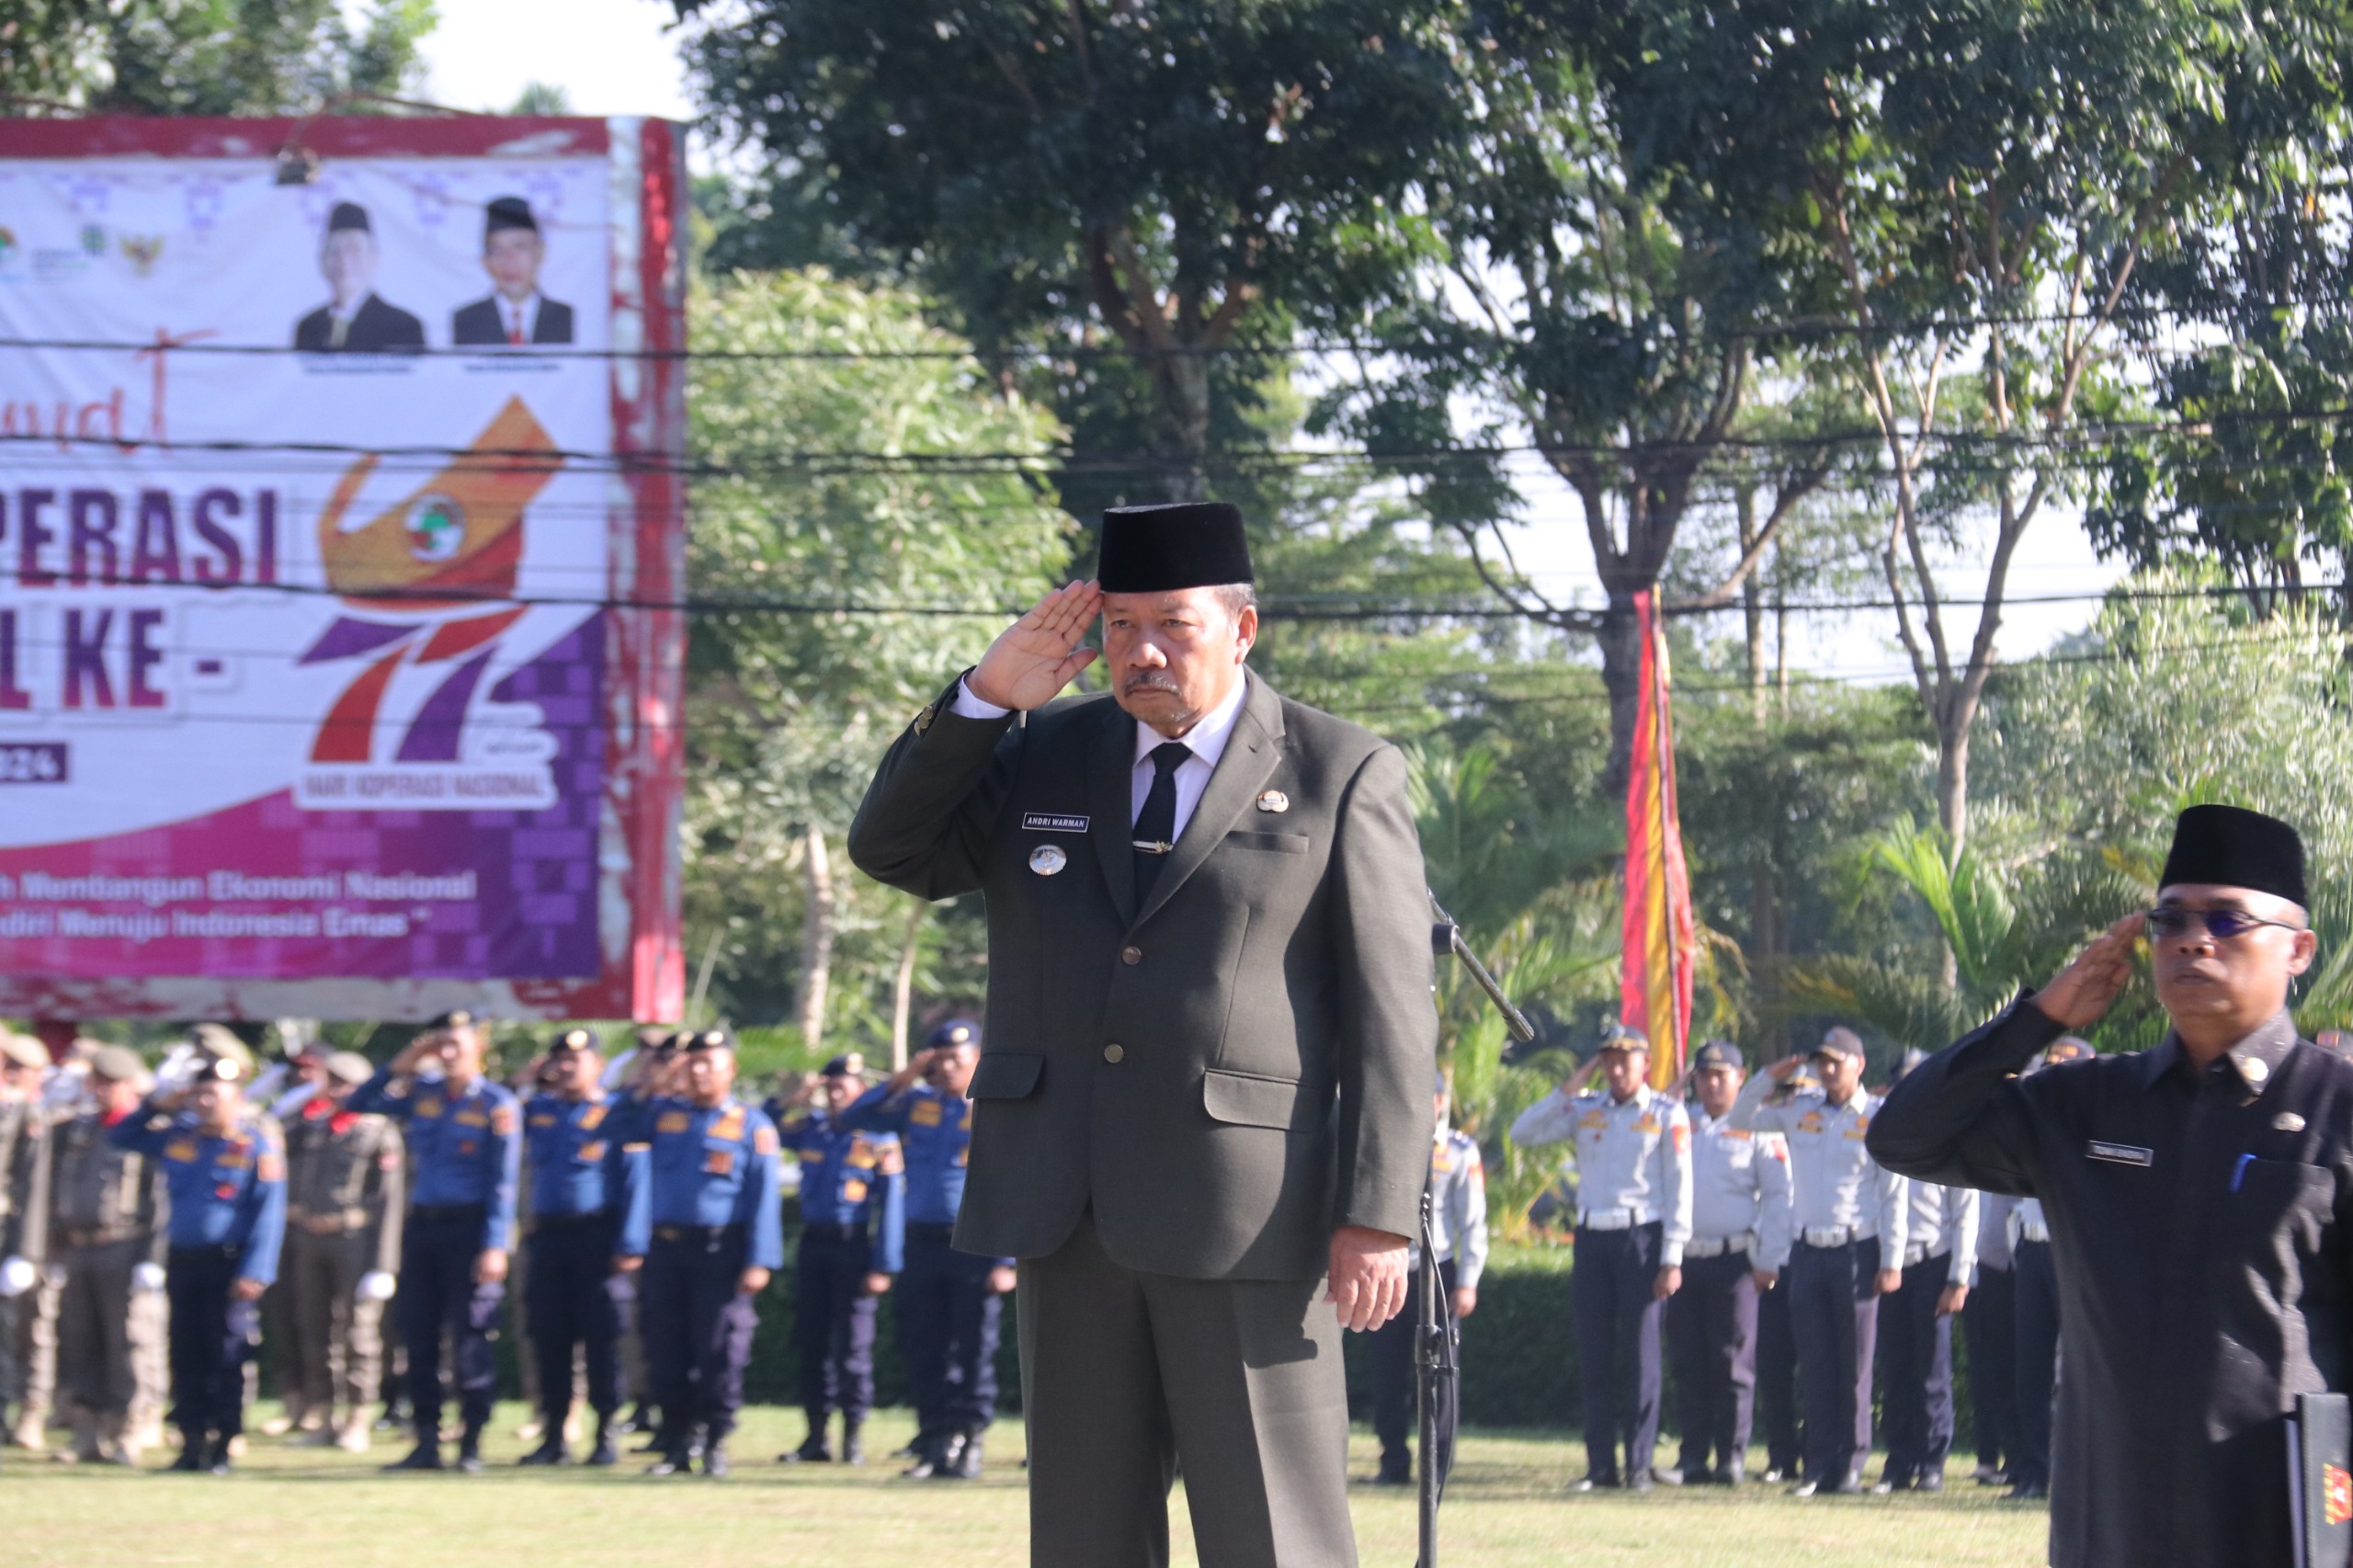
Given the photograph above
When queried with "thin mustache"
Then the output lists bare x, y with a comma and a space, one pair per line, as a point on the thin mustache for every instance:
1148, 683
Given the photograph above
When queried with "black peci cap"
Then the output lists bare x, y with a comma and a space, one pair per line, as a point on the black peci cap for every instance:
507, 213
2231, 846
840, 1067
1183, 544
349, 215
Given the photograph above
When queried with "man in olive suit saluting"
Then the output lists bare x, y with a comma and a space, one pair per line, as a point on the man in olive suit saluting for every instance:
1202, 1110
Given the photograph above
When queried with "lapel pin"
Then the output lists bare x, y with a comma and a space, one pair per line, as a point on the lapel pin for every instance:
1274, 801
1048, 859
2288, 1122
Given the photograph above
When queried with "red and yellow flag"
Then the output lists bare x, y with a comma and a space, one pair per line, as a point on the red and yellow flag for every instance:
1655, 984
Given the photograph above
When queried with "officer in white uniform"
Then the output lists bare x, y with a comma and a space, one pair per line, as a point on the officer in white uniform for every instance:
1633, 1155
1849, 1250
1458, 1226
1915, 1329
1739, 1245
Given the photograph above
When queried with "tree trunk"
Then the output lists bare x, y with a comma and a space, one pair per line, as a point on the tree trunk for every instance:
1183, 380
902, 987
1952, 775
1752, 605
816, 939
1621, 637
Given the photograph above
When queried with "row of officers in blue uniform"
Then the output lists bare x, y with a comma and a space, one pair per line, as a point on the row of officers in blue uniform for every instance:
653, 1193
1750, 1233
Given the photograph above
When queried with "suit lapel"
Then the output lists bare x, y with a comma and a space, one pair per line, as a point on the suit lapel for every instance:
1250, 754
1110, 764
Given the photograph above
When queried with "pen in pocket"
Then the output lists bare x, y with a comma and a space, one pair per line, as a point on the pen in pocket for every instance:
2238, 1172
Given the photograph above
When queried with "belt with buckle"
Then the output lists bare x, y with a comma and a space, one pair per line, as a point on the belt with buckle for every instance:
1716, 1246
1835, 1235
446, 1213
832, 1233
93, 1236
711, 1238
1610, 1219
596, 1219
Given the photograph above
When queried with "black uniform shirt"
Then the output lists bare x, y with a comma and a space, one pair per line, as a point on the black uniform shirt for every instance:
2203, 1227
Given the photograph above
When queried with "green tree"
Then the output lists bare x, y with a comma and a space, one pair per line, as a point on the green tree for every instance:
1169, 181
209, 57
795, 685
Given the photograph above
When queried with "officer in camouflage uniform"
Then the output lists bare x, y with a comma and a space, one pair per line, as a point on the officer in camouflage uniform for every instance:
102, 1242
345, 1182
24, 1127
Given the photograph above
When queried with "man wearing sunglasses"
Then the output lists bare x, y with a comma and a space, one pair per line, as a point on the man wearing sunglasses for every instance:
2199, 1197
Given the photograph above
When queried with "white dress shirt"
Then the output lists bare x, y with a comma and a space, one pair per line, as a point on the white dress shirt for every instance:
519, 320
1206, 740
1634, 1159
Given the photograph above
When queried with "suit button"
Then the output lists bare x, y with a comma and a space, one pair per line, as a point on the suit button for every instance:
1113, 1054
1132, 954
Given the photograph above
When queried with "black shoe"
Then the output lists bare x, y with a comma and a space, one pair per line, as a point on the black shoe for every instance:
1644, 1481
191, 1458
1389, 1476
217, 1459
552, 1451
714, 1457
1929, 1480
606, 1451
425, 1456
853, 1446
812, 1450
469, 1461
1774, 1475
1667, 1477
1898, 1482
930, 1455
1849, 1485
2027, 1492
673, 1461
964, 1462
1596, 1482
1731, 1474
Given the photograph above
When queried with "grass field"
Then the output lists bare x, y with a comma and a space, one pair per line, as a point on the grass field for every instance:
307, 1506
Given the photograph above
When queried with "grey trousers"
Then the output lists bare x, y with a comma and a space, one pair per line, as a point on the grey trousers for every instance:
337, 1339
1126, 1377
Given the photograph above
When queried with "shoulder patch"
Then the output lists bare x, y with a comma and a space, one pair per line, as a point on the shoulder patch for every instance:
889, 1160
272, 1166
594, 1117
730, 1125
502, 1118
764, 1141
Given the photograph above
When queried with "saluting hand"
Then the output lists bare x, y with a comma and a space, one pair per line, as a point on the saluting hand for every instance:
2079, 994
1034, 658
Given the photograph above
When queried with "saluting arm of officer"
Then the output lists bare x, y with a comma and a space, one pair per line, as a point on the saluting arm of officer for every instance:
147, 1129
265, 1202
1749, 1110
376, 1097
924, 825
891, 1227
1551, 1120
884, 1107
1962, 1117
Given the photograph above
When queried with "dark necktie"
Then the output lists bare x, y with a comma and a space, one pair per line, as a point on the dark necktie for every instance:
1156, 833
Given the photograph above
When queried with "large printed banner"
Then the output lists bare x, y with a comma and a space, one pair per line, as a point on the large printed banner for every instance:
335, 527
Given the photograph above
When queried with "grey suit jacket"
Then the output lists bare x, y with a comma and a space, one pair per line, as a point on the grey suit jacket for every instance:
1269, 1003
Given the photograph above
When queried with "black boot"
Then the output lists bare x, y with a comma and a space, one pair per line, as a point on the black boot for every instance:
714, 1457
216, 1459
930, 1453
605, 1452
551, 1451
966, 1463
853, 1446
470, 1449
192, 1446
813, 1447
426, 1455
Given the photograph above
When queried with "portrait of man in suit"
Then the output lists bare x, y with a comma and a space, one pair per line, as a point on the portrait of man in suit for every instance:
516, 312
354, 321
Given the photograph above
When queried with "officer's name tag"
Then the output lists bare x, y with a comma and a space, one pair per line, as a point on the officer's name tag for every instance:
2120, 1153
1052, 821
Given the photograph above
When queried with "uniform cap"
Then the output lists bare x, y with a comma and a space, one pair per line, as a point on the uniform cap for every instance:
707, 1039
1182, 544
1717, 1053
221, 1044
117, 1064
217, 1069
573, 1040
2231, 846
22, 1050
1840, 1042
349, 215
507, 213
1620, 1037
349, 1067
955, 1031
654, 1037
847, 1065
454, 1019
